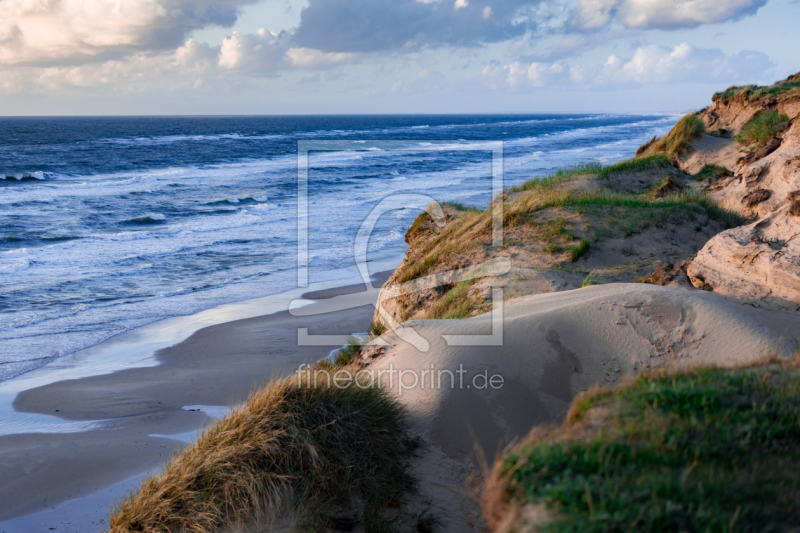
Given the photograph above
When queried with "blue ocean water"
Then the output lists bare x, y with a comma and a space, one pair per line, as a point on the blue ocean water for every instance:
107, 224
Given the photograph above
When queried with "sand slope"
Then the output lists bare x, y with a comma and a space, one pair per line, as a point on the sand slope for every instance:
554, 346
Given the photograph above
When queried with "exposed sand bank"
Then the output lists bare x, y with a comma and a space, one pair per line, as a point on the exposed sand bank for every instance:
217, 366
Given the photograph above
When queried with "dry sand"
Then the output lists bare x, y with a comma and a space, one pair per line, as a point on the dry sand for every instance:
217, 366
554, 346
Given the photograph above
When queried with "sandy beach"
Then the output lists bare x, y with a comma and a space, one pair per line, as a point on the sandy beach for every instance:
144, 412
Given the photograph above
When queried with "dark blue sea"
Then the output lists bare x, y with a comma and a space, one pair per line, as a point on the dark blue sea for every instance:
107, 224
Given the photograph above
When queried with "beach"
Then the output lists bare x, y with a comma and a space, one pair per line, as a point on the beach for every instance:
143, 413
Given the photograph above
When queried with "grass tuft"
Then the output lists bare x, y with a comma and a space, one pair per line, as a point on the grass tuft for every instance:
459, 206
674, 142
579, 250
376, 329
456, 303
559, 177
702, 450
301, 446
712, 172
637, 164
348, 352
590, 279
762, 127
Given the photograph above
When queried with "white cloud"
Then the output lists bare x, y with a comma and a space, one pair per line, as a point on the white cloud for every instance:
315, 59
79, 31
649, 64
460, 4
191, 59
260, 52
487, 13
665, 14
592, 14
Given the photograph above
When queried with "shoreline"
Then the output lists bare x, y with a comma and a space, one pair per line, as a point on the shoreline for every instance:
217, 365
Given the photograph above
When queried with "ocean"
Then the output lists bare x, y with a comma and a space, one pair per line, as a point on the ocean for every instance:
107, 224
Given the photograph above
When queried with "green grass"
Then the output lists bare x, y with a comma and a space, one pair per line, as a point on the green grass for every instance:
376, 329
637, 164
458, 206
704, 451
560, 176
691, 199
302, 446
473, 228
604, 172
711, 172
756, 91
728, 93
777, 89
456, 303
579, 250
590, 279
762, 127
348, 352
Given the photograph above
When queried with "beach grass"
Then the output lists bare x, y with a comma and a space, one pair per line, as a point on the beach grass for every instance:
637, 164
674, 142
348, 352
456, 303
590, 279
762, 127
756, 91
710, 172
473, 228
300, 446
579, 250
702, 450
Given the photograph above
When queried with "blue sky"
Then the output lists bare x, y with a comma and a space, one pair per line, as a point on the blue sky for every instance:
99, 57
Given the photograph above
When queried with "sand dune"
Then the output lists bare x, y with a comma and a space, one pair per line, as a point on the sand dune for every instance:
554, 346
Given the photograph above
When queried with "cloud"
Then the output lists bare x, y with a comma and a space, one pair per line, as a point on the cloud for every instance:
191, 59
369, 25
649, 64
309, 58
253, 52
79, 31
267, 53
663, 14
264, 53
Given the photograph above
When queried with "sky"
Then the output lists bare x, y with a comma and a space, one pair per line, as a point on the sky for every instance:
265, 57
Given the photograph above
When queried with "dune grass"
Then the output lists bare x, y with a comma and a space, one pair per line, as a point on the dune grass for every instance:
347, 353
712, 172
473, 229
302, 446
637, 164
674, 142
776, 89
560, 176
459, 206
757, 91
762, 127
456, 303
703, 450
591, 279
728, 93
579, 250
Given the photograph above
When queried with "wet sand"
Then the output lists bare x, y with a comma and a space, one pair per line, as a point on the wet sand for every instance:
217, 366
